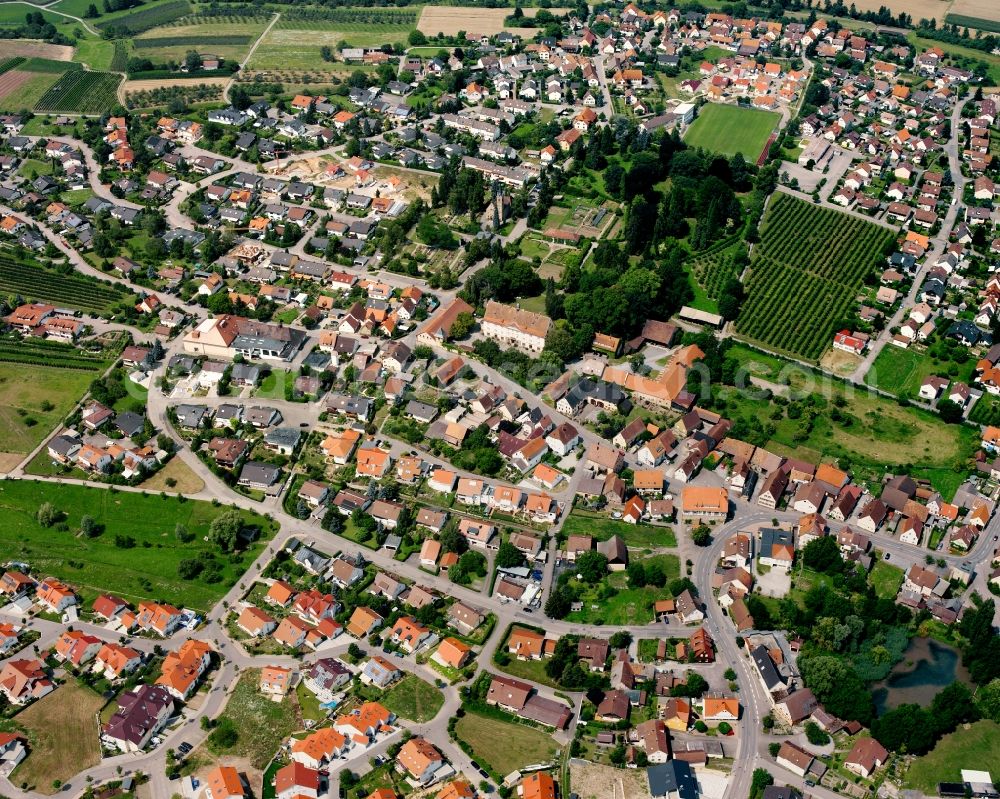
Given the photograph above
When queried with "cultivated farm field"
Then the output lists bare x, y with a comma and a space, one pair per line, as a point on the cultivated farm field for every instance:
478, 21
918, 9
227, 39
729, 129
135, 21
981, 9
20, 89
449, 20
806, 273
33, 49
982, 14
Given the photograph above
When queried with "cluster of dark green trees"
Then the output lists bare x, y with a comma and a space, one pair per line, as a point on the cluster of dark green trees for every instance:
462, 190
35, 27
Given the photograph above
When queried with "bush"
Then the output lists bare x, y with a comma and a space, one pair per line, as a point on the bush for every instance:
815, 734
224, 736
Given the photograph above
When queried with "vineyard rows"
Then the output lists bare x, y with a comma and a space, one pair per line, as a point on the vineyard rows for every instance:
82, 92
806, 273
192, 41
7, 64
144, 19
225, 15
49, 353
119, 61
349, 16
714, 270
32, 281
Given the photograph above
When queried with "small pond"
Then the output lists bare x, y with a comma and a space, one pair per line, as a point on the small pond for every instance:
927, 667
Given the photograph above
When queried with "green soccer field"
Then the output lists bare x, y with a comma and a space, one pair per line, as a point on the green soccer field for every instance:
729, 129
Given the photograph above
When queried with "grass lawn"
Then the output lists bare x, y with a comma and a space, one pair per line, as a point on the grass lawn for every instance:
308, 703
601, 528
614, 601
648, 648
95, 53
147, 570
770, 367
986, 410
504, 746
186, 481
76, 197
532, 247
700, 299
729, 129
533, 304
38, 166
901, 372
31, 409
13, 14
273, 385
886, 579
531, 670
287, 316
413, 699
62, 736
628, 607
261, 725
971, 748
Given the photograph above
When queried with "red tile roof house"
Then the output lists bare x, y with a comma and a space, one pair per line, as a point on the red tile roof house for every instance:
865, 756
108, 606
255, 622
183, 669
54, 595
292, 632
23, 680
14, 584
76, 647
161, 619
296, 781
116, 661
794, 758
8, 638
276, 681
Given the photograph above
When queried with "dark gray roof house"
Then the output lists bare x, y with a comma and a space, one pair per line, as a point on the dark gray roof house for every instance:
259, 475
673, 779
766, 669
191, 415
130, 423
283, 439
